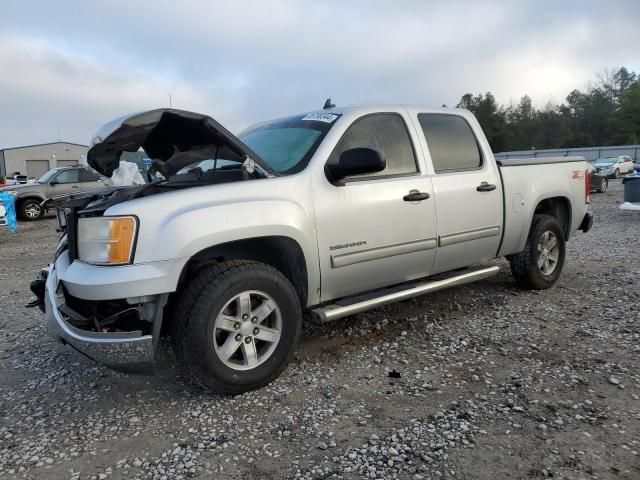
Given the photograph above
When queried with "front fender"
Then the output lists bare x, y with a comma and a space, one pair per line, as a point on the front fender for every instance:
180, 224
27, 195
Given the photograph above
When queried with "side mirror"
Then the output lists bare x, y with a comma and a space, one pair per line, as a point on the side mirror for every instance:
357, 161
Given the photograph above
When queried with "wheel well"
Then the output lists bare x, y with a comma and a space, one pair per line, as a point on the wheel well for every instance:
558, 207
29, 197
282, 253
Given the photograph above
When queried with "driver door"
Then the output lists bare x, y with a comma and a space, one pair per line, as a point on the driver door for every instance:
67, 181
371, 231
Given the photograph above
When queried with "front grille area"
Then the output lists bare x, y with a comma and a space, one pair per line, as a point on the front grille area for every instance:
104, 315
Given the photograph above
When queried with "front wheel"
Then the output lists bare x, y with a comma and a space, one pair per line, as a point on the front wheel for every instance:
539, 265
236, 326
30, 209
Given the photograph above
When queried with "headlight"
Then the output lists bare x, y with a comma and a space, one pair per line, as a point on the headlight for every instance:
106, 240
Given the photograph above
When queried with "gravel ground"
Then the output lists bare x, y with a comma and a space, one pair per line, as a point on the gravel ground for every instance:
485, 381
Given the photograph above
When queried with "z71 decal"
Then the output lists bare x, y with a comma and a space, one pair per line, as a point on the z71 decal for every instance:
577, 174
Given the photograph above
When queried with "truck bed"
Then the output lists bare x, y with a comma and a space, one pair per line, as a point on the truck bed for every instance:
526, 182
518, 162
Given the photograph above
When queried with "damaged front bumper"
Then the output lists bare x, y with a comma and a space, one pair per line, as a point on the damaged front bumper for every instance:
131, 351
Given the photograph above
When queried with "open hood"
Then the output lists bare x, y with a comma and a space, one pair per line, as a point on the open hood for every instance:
164, 134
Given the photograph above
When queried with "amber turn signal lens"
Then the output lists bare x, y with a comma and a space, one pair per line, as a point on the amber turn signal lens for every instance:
122, 232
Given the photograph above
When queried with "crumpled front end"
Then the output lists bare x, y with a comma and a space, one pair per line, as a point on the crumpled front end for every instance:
121, 334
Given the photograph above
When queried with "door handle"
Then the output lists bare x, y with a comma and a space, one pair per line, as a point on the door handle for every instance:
415, 196
75, 186
485, 187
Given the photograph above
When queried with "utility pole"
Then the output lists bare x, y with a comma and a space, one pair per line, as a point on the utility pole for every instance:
170, 102
58, 129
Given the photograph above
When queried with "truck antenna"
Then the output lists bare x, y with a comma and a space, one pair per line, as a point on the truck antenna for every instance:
328, 104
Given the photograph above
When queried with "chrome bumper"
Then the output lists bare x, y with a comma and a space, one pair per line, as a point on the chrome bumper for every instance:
124, 351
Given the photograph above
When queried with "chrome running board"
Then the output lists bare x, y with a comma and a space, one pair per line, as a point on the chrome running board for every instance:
360, 303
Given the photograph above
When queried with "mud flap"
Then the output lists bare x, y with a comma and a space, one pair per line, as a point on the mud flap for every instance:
38, 288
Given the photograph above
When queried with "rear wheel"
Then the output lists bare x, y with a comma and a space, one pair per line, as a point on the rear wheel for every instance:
604, 185
539, 265
616, 174
30, 209
236, 326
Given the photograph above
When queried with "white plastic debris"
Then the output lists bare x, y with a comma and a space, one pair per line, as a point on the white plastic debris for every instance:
630, 206
126, 174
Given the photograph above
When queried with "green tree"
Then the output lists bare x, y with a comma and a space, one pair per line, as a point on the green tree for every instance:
490, 115
606, 113
626, 121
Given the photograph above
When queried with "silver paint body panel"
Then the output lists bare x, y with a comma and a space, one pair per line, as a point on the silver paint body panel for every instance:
387, 241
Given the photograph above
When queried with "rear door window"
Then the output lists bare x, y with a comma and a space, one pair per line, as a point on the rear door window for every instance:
451, 142
87, 176
387, 133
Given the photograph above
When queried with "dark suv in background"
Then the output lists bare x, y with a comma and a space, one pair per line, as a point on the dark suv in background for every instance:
59, 181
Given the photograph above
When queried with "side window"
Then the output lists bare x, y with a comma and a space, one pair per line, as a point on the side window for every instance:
388, 133
68, 176
451, 142
87, 176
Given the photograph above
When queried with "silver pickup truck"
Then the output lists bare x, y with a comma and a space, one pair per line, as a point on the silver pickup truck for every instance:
332, 212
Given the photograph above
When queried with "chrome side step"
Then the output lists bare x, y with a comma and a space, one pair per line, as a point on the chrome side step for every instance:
351, 306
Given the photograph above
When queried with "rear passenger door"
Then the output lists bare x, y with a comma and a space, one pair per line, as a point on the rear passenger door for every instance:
90, 181
370, 233
468, 192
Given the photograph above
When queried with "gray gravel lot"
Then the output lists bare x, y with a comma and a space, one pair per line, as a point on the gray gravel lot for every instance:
494, 382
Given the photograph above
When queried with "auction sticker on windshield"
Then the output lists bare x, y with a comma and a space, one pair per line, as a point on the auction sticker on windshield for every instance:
320, 117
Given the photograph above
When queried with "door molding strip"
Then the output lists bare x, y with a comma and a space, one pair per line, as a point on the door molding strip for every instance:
377, 253
467, 236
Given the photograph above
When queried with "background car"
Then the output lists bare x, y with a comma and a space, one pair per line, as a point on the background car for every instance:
59, 181
599, 182
614, 167
636, 164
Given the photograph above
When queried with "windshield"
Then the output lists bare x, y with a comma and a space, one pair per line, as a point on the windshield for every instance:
607, 160
288, 144
47, 176
204, 165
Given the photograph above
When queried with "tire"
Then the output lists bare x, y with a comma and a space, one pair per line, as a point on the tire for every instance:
210, 308
604, 185
30, 209
616, 174
525, 266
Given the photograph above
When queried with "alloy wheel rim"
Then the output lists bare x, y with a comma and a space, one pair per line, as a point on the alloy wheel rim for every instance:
247, 330
32, 210
548, 253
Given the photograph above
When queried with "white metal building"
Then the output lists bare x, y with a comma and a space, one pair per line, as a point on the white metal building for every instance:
34, 160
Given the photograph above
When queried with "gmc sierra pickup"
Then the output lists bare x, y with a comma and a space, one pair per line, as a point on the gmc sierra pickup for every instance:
333, 211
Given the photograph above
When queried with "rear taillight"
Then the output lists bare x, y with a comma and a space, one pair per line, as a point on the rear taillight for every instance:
587, 186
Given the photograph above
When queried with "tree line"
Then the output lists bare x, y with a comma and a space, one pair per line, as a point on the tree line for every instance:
607, 113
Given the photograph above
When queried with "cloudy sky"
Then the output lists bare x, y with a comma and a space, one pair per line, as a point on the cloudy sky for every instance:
77, 64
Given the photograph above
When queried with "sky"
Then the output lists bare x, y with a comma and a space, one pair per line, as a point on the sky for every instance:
71, 66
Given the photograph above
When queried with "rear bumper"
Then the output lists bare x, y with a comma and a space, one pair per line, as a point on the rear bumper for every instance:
587, 222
